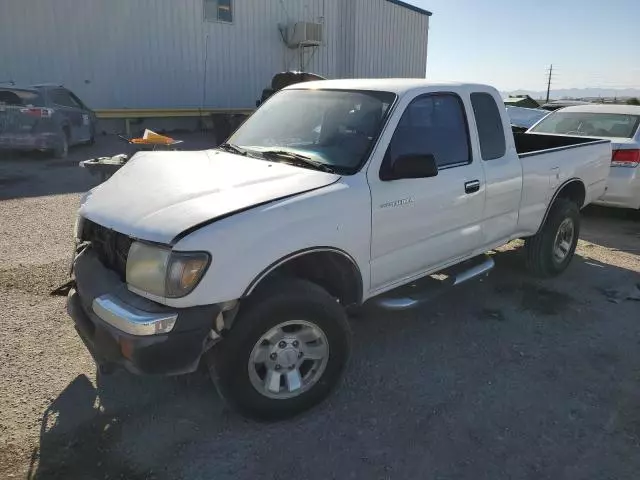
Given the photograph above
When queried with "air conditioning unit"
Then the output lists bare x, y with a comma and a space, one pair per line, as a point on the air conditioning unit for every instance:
304, 34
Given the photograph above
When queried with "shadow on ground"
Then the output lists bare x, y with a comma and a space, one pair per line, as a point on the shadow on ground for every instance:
89, 431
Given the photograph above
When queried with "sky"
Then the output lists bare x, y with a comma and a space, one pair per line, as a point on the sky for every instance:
511, 43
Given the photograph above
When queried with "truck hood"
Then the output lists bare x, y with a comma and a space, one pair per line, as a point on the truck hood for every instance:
158, 195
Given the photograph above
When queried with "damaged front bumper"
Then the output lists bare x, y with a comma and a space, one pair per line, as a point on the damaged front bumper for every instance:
120, 328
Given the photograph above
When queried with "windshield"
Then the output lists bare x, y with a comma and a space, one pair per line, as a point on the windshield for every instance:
590, 124
334, 127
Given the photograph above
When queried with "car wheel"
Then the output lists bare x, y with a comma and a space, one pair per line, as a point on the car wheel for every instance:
285, 353
62, 145
92, 138
550, 251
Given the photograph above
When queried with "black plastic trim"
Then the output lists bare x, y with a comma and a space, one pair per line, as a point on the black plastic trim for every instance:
301, 253
559, 149
555, 196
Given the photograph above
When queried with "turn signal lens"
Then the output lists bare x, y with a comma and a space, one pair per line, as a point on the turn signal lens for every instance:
185, 271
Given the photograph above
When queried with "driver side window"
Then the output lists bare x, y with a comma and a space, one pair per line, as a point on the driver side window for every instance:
433, 124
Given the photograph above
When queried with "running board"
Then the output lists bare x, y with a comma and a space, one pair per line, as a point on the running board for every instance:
426, 289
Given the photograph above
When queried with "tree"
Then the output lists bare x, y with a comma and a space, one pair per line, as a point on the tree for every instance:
633, 101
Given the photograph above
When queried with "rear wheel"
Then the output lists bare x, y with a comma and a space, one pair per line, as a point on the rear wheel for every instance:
549, 252
61, 150
285, 353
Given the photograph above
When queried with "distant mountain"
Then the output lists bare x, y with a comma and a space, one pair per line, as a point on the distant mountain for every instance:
579, 93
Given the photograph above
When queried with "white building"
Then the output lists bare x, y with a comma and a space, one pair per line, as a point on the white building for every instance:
211, 53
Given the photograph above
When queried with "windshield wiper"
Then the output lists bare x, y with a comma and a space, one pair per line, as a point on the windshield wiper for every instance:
230, 147
297, 158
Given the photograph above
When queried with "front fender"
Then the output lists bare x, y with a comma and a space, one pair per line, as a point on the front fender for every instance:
245, 246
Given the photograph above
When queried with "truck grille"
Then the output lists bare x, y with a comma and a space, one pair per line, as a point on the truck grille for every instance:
111, 247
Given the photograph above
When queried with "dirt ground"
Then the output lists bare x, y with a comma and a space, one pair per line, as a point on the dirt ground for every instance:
509, 377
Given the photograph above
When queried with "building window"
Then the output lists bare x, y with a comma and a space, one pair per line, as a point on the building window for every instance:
218, 10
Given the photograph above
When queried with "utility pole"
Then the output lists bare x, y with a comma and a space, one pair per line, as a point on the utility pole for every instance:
549, 82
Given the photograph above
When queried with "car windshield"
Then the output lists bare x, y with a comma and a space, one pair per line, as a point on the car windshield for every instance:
336, 128
590, 124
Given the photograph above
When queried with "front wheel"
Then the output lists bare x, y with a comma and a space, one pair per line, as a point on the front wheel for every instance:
550, 251
285, 353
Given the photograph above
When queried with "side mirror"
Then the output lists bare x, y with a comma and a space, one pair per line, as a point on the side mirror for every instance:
415, 166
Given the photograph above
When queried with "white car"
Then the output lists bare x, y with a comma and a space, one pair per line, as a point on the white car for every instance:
618, 123
248, 256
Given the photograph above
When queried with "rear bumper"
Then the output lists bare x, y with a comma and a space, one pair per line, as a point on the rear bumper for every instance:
28, 141
117, 326
623, 188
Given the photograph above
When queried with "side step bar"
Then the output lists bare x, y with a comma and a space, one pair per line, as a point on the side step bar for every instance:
426, 289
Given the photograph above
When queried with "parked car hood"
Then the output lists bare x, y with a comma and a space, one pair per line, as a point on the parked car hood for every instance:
158, 195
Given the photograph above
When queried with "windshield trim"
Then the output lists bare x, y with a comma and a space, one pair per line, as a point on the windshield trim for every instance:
341, 169
634, 130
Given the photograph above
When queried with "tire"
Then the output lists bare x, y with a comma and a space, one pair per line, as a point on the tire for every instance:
62, 148
540, 250
238, 378
92, 138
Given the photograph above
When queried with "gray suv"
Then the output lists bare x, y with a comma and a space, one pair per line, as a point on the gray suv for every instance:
44, 117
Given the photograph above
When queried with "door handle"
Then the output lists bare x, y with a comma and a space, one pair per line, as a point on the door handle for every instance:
472, 187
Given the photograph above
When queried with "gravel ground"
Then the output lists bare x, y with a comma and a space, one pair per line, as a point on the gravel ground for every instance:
509, 377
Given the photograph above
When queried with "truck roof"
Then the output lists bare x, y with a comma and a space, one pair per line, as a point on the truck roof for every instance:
395, 85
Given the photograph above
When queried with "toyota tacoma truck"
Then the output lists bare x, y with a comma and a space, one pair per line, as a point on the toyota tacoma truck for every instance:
247, 258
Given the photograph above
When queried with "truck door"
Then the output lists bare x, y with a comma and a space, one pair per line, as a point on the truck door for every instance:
502, 169
422, 224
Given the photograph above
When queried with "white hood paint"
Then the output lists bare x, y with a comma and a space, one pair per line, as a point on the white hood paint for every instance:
158, 195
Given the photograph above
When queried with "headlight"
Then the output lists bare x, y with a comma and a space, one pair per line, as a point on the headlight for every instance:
164, 273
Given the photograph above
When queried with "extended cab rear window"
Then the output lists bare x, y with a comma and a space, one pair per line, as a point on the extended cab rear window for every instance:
590, 124
489, 124
18, 97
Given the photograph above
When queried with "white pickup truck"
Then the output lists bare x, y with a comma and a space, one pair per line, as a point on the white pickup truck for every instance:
331, 194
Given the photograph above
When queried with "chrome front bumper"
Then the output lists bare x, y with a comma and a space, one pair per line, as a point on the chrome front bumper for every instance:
132, 320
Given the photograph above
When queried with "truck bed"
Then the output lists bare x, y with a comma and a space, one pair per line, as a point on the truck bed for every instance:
548, 162
528, 144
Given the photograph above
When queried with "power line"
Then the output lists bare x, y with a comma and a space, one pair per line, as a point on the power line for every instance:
549, 82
